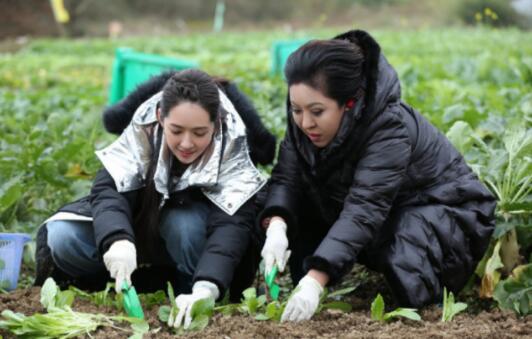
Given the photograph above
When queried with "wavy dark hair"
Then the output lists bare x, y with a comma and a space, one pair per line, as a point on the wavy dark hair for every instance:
190, 85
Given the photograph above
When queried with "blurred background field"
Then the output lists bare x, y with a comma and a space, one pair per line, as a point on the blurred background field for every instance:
466, 65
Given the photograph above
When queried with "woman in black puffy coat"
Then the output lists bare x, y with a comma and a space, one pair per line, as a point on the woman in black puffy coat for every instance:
363, 177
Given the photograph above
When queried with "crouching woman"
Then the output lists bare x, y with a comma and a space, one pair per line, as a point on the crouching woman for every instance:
176, 190
362, 177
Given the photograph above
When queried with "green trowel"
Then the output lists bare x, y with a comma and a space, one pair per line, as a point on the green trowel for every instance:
273, 288
131, 301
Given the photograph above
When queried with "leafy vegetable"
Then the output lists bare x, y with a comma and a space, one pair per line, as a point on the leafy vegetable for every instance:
515, 293
450, 308
101, 298
63, 323
377, 311
52, 297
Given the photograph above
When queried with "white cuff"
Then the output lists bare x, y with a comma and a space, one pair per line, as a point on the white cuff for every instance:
211, 287
275, 226
311, 282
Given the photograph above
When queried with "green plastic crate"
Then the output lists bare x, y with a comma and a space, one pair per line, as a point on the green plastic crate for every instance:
281, 50
131, 68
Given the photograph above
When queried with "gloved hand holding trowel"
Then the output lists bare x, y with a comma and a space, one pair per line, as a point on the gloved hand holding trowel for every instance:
121, 260
304, 302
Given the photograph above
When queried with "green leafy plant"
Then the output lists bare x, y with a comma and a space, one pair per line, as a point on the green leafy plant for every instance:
335, 304
505, 166
52, 297
251, 303
450, 308
64, 323
152, 299
515, 293
61, 321
167, 313
377, 311
101, 298
257, 306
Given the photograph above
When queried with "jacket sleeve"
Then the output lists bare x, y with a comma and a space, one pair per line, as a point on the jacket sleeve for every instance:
377, 179
228, 238
111, 212
284, 186
261, 141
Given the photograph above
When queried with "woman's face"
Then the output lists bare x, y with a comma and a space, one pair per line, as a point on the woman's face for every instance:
188, 131
315, 114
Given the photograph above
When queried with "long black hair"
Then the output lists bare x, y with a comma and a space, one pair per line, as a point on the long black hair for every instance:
193, 86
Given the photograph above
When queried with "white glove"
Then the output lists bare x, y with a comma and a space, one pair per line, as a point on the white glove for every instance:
304, 302
275, 247
121, 260
201, 290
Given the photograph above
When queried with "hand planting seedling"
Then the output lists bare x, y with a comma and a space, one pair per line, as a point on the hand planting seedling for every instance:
201, 312
377, 311
257, 306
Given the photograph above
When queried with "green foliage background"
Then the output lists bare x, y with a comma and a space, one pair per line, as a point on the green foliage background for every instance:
52, 93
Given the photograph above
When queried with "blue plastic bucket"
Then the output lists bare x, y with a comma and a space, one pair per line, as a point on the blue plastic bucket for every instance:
11, 249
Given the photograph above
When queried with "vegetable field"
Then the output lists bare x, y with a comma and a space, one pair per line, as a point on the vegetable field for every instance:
475, 85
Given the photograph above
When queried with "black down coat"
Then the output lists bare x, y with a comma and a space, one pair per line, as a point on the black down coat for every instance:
230, 249
390, 191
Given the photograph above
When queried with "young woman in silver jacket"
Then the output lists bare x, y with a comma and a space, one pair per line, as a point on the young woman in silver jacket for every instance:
176, 189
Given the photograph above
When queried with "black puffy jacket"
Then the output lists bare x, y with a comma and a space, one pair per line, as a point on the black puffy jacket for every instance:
385, 159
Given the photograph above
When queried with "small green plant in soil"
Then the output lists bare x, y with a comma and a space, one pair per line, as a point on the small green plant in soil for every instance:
450, 308
515, 293
61, 321
53, 297
101, 298
377, 311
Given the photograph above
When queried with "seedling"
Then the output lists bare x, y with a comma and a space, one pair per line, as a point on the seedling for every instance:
251, 303
450, 308
515, 293
335, 305
61, 321
149, 300
52, 297
102, 298
377, 311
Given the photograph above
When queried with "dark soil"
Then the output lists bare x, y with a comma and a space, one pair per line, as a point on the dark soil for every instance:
481, 320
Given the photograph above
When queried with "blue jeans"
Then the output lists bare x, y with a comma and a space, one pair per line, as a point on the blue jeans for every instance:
182, 228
